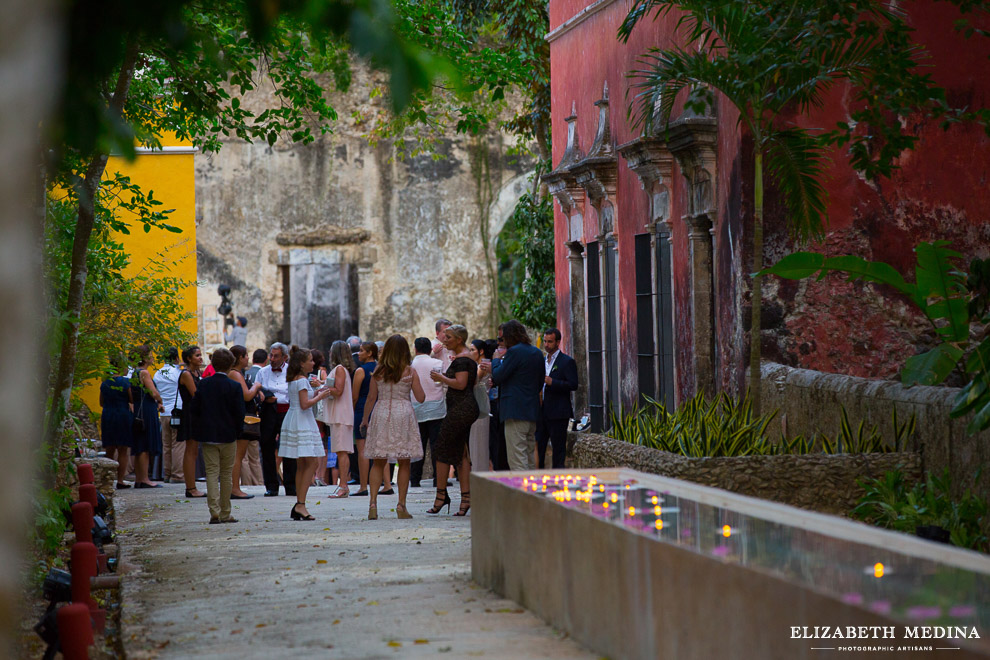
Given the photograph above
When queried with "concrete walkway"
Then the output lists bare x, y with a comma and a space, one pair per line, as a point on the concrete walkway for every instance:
339, 587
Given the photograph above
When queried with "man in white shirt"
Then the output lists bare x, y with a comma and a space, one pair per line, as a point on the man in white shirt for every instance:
276, 391
432, 410
166, 380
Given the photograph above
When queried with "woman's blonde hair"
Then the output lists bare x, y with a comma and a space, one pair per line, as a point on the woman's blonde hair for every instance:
459, 331
394, 359
340, 353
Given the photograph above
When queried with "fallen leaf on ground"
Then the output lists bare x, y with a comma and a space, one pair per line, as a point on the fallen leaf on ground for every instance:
394, 643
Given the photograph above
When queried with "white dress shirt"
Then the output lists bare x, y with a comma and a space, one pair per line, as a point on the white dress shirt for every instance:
274, 381
166, 380
548, 366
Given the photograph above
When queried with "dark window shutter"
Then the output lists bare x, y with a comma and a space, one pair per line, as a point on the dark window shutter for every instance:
596, 389
646, 353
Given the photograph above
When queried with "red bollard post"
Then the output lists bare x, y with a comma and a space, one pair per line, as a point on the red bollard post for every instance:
87, 493
85, 472
75, 632
82, 521
84, 569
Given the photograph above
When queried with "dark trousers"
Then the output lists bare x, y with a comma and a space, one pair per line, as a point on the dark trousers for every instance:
428, 434
553, 431
271, 425
496, 439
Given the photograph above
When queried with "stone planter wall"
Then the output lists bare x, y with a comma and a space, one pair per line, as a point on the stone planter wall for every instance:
808, 402
820, 482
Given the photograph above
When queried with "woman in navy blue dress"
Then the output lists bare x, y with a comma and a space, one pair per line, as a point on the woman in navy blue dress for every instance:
147, 405
368, 355
116, 420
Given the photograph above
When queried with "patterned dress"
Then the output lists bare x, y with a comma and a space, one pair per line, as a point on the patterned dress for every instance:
462, 413
392, 430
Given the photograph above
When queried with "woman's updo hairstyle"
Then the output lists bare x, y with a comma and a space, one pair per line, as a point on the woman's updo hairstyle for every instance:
297, 357
459, 331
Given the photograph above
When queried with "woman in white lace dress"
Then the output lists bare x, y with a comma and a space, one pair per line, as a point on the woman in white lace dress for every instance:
300, 436
393, 434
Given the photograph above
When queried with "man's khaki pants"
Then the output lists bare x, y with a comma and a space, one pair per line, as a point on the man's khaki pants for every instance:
520, 444
173, 451
219, 460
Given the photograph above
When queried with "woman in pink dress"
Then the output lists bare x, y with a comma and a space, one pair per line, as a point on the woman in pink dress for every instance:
393, 434
338, 412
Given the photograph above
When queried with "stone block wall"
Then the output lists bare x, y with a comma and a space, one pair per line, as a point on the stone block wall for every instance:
820, 482
809, 402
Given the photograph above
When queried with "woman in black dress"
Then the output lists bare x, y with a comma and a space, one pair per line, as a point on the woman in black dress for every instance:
147, 437
462, 412
192, 362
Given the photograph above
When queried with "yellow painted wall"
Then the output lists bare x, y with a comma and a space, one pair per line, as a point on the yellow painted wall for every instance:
172, 177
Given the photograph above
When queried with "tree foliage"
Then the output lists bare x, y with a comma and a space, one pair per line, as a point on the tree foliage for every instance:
526, 263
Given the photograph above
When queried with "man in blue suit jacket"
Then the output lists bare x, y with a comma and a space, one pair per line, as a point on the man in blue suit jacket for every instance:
561, 379
519, 379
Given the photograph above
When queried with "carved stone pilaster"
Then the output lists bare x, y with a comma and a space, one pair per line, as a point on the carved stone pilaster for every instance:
693, 142
560, 182
578, 338
651, 160
597, 172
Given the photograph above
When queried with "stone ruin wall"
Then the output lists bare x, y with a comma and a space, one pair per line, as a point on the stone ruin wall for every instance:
372, 244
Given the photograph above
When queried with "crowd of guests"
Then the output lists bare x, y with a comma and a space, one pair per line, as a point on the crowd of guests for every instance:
357, 417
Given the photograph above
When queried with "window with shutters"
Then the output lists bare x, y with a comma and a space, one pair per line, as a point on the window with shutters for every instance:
646, 352
596, 390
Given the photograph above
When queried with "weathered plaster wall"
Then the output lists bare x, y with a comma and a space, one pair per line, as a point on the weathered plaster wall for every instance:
809, 402
420, 256
939, 192
821, 482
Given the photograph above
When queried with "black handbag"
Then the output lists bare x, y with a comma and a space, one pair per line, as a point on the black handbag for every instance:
175, 421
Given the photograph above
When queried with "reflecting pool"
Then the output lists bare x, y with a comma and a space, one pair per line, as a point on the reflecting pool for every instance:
919, 583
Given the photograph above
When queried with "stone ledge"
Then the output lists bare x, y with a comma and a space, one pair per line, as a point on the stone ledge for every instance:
324, 235
819, 482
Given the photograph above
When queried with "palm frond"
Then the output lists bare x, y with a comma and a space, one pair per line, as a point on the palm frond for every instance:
797, 163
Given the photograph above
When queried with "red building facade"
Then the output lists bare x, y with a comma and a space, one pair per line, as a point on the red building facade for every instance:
652, 232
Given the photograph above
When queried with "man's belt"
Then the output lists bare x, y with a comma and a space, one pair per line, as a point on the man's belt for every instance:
282, 407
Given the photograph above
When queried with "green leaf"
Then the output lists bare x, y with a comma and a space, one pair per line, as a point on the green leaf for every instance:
796, 266
932, 367
944, 287
981, 420
975, 394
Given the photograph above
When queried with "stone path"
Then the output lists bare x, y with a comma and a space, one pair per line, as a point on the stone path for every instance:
339, 587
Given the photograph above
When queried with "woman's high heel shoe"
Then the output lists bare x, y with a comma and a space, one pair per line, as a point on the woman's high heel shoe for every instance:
401, 512
442, 499
373, 512
295, 515
465, 504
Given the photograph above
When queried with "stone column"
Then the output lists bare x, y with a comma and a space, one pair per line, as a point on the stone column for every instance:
702, 320
693, 140
578, 330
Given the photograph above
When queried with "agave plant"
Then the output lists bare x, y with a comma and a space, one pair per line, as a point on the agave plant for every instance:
725, 427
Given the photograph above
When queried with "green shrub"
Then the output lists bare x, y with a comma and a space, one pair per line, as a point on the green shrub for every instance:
725, 427
889, 503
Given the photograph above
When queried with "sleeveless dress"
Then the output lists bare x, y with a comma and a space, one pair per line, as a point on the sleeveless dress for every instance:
300, 436
338, 413
149, 440
115, 422
185, 431
478, 444
368, 368
462, 413
392, 430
